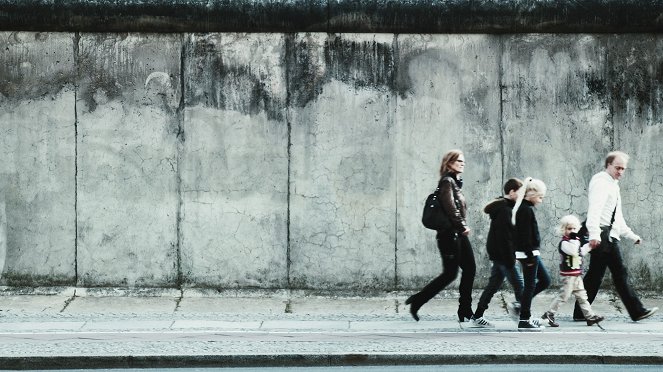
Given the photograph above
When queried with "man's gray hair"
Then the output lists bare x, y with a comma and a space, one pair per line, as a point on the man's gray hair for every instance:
614, 154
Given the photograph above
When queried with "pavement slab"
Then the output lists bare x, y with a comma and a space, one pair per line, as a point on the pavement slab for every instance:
119, 329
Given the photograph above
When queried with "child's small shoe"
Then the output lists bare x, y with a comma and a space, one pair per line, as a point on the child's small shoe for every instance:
594, 319
550, 317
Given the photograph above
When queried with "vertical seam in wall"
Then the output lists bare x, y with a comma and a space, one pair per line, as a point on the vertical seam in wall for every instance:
394, 122
77, 38
500, 78
288, 261
288, 51
180, 139
328, 16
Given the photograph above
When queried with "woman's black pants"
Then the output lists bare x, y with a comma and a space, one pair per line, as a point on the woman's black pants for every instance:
456, 253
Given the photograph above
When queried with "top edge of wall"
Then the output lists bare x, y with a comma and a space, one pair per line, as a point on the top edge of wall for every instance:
360, 16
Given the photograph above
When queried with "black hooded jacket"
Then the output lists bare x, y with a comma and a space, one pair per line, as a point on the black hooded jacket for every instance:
527, 230
500, 242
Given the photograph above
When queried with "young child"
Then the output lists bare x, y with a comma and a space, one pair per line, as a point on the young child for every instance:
499, 245
527, 242
570, 268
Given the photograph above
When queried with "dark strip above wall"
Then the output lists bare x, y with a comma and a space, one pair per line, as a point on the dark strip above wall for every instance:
370, 16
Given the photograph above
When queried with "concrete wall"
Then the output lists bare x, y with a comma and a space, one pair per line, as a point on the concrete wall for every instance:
334, 16
301, 160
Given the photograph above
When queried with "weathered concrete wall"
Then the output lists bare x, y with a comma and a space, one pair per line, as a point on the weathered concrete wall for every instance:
37, 148
234, 162
301, 160
343, 156
383, 16
127, 125
567, 100
451, 100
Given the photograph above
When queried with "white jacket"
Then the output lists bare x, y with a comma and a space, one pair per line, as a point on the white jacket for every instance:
604, 195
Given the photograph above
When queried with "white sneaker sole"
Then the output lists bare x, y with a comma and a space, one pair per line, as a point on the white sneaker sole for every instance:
540, 329
482, 326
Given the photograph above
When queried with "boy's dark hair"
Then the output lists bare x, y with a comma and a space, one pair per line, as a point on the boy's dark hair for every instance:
512, 184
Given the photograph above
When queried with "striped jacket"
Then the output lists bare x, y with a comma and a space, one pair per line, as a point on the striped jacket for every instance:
571, 254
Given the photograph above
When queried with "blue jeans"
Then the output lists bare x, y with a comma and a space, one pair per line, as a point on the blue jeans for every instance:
498, 273
536, 279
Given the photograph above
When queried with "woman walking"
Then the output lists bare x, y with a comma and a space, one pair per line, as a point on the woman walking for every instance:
453, 243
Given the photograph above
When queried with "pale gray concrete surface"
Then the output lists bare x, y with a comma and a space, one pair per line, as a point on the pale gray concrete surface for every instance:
301, 160
75, 328
234, 162
127, 190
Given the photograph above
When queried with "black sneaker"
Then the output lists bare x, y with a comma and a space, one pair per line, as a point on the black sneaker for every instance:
647, 314
550, 317
529, 325
594, 319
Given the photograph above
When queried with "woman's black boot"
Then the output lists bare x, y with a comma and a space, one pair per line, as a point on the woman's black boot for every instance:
414, 306
464, 315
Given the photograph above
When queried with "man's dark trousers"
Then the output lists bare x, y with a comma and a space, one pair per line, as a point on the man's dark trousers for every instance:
609, 256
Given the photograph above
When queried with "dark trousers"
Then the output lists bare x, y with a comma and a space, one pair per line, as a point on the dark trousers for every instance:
609, 256
536, 280
456, 253
498, 273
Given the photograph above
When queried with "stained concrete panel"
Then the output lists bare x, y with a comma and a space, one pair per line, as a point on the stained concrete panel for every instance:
235, 162
127, 159
343, 180
557, 121
37, 147
636, 92
450, 100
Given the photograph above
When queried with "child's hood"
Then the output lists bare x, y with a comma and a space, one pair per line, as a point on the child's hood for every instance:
494, 207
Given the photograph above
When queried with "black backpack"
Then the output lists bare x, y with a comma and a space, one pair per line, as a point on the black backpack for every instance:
434, 217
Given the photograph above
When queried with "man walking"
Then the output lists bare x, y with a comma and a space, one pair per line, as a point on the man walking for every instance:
606, 225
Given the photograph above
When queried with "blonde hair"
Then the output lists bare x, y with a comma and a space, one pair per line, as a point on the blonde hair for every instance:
569, 220
531, 187
449, 158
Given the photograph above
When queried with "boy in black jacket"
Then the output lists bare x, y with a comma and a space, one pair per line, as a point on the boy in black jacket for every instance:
500, 248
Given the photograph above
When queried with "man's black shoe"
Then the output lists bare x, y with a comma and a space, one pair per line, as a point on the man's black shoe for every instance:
646, 314
578, 316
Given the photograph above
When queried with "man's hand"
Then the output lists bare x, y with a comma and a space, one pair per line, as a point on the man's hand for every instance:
594, 243
467, 231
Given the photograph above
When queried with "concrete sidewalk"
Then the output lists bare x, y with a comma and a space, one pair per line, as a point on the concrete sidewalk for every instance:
112, 328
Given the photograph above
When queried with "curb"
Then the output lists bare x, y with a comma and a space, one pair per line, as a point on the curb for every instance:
309, 360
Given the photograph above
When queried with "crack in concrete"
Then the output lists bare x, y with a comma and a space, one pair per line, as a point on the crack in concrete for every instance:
178, 301
68, 301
